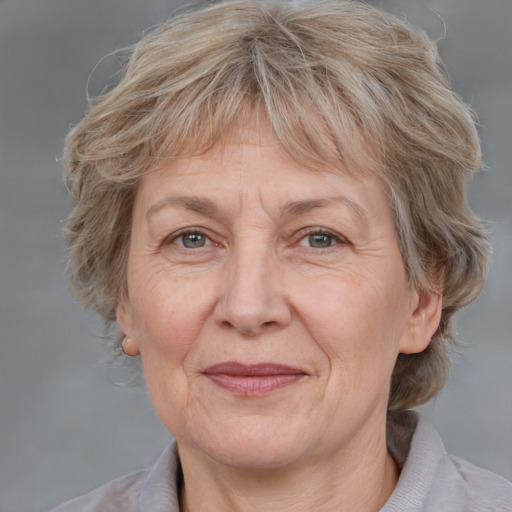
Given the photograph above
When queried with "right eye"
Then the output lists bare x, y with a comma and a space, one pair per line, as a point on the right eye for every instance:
320, 240
191, 240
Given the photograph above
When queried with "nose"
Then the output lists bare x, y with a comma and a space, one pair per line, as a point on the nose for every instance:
253, 301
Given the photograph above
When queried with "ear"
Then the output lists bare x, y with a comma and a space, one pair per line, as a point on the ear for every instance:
425, 315
125, 323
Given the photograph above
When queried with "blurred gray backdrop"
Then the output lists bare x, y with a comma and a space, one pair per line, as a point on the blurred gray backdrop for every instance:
67, 422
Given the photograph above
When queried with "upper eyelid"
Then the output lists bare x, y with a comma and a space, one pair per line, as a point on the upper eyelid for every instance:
297, 234
186, 231
321, 231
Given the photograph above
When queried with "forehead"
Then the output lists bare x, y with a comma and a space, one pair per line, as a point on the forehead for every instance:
252, 139
252, 167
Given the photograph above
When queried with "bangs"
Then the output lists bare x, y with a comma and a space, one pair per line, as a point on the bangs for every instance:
308, 121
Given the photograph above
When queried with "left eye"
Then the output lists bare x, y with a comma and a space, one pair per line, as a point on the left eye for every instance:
319, 240
192, 240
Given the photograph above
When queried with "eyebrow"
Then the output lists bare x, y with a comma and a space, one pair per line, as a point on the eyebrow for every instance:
302, 207
196, 204
294, 208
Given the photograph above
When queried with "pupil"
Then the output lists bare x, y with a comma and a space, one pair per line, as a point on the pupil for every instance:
193, 240
320, 240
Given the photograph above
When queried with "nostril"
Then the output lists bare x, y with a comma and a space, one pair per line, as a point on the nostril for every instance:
248, 330
225, 323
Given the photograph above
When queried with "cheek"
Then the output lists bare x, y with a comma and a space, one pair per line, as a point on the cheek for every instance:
357, 325
168, 315
168, 319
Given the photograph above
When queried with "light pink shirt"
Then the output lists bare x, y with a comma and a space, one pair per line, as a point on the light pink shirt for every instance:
430, 479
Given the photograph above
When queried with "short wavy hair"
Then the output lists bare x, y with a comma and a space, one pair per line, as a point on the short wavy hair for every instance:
342, 84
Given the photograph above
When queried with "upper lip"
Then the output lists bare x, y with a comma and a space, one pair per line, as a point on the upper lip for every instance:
252, 370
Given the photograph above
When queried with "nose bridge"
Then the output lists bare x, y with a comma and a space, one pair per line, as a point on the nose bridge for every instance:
252, 299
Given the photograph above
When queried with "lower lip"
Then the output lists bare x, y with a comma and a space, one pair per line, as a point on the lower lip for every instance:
254, 385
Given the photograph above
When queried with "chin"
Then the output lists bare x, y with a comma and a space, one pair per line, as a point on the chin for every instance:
268, 444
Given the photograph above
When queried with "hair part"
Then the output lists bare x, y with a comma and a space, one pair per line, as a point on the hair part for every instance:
343, 85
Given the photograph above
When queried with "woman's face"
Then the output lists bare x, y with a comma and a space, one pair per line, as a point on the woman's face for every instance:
269, 303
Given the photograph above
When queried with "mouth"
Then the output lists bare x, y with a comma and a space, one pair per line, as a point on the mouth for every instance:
253, 379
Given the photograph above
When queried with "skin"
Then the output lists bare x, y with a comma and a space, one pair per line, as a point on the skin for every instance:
244, 255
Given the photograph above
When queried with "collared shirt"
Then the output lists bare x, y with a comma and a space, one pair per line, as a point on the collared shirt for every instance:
430, 479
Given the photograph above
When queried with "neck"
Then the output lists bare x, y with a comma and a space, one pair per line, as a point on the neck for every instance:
359, 478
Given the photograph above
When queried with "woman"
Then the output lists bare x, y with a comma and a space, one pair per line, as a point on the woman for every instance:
271, 207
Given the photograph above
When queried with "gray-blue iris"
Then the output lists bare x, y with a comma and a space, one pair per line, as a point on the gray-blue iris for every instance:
193, 240
320, 241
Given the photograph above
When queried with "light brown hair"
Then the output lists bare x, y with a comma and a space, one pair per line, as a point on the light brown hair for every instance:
342, 84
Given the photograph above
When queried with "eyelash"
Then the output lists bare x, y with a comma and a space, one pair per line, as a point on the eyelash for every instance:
172, 239
336, 239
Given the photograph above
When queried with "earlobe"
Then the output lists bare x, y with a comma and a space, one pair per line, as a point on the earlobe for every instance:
130, 347
426, 309
129, 344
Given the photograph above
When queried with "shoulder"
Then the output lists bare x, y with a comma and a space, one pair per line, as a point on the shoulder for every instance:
432, 480
153, 489
483, 489
119, 494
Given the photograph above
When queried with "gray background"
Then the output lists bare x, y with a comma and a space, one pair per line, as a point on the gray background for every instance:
67, 422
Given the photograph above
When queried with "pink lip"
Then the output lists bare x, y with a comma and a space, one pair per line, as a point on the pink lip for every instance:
253, 379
